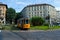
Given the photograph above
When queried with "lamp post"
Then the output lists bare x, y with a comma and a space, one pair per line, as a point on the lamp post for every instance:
49, 18
50, 22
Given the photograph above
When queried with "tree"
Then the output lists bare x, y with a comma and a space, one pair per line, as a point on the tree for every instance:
36, 21
10, 16
18, 16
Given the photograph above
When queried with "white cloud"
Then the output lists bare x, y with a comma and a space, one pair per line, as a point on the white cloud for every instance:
20, 3
57, 8
23, 3
56, 1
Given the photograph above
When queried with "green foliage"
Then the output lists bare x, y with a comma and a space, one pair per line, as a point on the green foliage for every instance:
46, 24
39, 28
9, 27
44, 27
36, 21
10, 14
18, 15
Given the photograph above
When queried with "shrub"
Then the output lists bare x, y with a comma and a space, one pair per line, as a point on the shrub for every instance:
46, 24
36, 21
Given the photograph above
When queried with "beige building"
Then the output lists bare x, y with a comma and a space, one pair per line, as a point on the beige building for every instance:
3, 8
39, 10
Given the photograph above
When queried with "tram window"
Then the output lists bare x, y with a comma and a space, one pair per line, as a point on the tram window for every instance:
20, 22
26, 22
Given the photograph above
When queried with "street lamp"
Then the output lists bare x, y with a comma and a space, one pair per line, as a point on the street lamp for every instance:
50, 22
49, 19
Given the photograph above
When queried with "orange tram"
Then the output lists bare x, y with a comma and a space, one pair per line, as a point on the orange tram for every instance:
23, 23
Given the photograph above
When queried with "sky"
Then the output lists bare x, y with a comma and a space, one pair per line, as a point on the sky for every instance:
18, 5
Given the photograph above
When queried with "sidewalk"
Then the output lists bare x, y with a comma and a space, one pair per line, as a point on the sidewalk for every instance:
32, 30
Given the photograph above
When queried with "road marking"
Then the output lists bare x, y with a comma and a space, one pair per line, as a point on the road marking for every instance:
0, 30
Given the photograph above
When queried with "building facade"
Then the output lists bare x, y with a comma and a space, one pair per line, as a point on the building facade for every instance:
58, 16
3, 8
39, 10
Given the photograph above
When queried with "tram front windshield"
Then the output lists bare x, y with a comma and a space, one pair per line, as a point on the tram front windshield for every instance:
26, 21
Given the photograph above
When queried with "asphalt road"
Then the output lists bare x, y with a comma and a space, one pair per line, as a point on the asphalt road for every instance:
30, 35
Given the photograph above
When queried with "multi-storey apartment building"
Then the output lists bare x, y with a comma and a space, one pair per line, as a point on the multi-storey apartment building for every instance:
39, 10
3, 8
58, 16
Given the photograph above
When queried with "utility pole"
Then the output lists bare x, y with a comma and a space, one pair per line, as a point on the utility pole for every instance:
50, 21
50, 25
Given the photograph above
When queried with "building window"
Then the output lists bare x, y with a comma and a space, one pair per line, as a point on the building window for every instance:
1, 18
48, 11
29, 16
34, 8
48, 7
29, 13
40, 7
37, 13
41, 12
29, 8
32, 14
37, 7
44, 7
